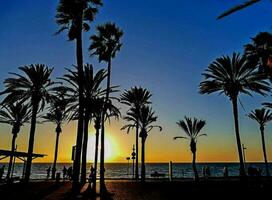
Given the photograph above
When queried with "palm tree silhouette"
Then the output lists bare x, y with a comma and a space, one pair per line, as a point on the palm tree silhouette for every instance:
16, 115
75, 16
146, 124
262, 116
97, 110
92, 89
58, 113
259, 51
135, 98
34, 87
92, 84
192, 130
105, 45
97, 114
232, 76
145, 118
237, 8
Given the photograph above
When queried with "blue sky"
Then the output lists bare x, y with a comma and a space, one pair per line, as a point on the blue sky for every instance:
166, 47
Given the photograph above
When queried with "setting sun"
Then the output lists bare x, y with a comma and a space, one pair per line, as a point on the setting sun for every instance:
111, 149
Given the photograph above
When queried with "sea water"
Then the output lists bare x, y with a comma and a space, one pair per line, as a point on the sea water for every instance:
124, 170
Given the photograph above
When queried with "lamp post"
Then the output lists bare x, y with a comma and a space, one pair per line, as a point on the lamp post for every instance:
244, 154
133, 156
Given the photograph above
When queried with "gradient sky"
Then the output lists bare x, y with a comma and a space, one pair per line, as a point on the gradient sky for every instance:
167, 45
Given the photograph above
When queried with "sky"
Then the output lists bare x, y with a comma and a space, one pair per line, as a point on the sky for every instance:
166, 47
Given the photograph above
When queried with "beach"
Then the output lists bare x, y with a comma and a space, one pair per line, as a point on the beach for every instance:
151, 189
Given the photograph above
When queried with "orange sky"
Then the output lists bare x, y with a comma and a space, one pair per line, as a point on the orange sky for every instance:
160, 146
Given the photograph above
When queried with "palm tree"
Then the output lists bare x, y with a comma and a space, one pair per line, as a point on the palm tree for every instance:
92, 89
58, 113
105, 45
97, 114
262, 116
97, 110
144, 118
259, 51
14, 114
192, 130
91, 83
34, 87
232, 76
75, 16
135, 98
238, 7
147, 118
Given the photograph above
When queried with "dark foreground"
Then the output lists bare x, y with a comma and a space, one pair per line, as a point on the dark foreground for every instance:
151, 190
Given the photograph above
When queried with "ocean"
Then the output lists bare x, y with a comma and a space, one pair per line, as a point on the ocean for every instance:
124, 170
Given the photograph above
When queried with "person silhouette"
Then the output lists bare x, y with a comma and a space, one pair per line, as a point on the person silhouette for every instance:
48, 172
2, 171
204, 171
70, 172
64, 171
226, 172
207, 171
92, 174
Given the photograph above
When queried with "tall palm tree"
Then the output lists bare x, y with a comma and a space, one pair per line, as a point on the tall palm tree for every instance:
135, 98
192, 129
16, 115
92, 89
238, 7
58, 113
105, 45
147, 119
232, 76
97, 114
262, 116
75, 17
34, 87
97, 110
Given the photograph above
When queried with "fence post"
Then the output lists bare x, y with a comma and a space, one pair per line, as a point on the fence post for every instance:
170, 171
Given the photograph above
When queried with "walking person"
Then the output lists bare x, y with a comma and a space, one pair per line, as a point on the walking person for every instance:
48, 172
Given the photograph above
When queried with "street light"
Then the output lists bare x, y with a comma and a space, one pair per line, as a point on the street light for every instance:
133, 156
244, 153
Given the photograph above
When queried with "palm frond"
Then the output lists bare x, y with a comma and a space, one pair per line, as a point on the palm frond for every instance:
237, 8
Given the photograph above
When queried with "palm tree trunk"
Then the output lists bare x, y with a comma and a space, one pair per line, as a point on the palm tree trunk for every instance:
264, 151
137, 152
97, 127
143, 160
11, 156
102, 150
79, 55
194, 167
84, 150
56, 156
236, 123
35, 105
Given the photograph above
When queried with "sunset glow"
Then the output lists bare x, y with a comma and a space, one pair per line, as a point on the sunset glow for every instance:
169, 64
111, 149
